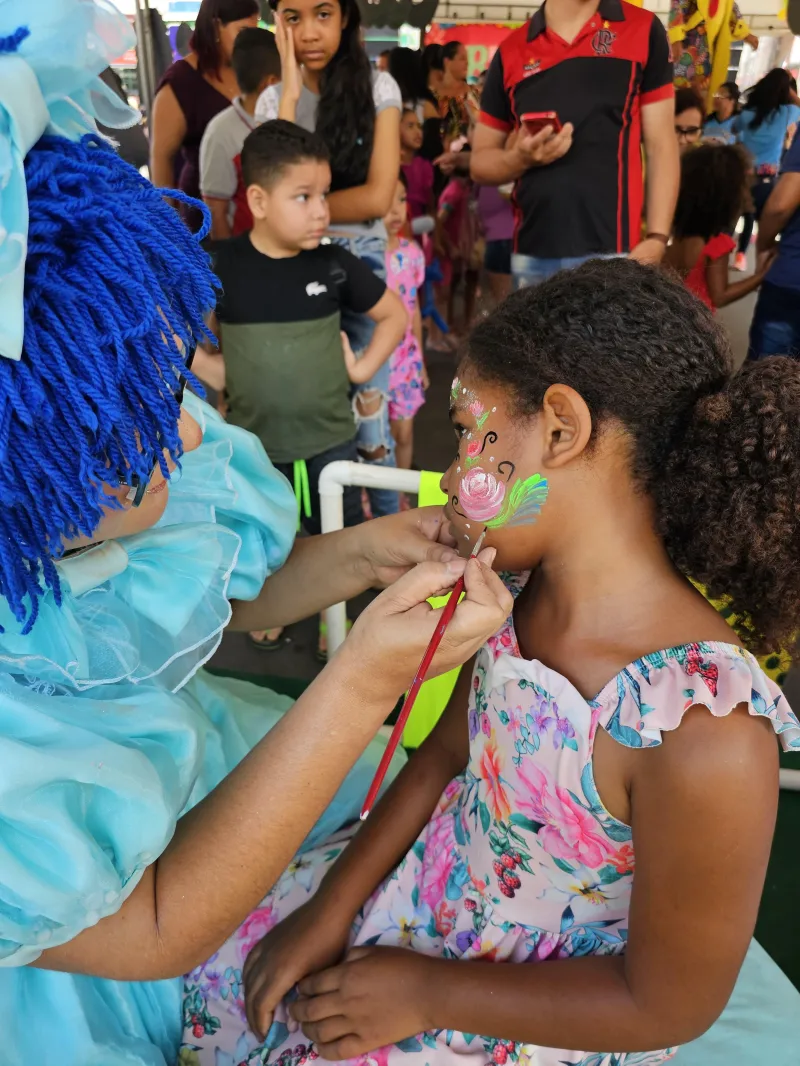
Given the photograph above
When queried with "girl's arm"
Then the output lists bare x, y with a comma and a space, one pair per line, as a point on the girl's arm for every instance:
417, 330
704, 805
724, 292
363, 203
404, 811
315, 937
389, 316
167, 133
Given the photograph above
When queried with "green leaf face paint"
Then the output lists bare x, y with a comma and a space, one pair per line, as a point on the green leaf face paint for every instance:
523, 504
488, 494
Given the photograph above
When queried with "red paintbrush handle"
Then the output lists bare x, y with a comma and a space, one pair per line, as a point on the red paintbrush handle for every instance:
408, 703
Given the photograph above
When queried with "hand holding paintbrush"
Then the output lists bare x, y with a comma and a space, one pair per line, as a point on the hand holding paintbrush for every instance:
446, 617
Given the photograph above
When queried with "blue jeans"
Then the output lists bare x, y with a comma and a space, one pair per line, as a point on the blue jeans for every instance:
776, 323
372, 432
531, 270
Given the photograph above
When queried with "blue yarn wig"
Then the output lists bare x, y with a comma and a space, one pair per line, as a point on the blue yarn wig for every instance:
116, 288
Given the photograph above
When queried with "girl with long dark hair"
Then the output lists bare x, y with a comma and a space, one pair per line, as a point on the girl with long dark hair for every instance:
772, 108
192, 92
328, 86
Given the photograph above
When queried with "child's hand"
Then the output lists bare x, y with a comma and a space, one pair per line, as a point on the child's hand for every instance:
377, 996
764, 261
310, 939
291, 76
350, 360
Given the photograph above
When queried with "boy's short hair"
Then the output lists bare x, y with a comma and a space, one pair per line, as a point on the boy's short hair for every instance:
255, 57
273, 147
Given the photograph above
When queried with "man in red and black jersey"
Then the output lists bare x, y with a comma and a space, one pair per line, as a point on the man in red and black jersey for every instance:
604, 68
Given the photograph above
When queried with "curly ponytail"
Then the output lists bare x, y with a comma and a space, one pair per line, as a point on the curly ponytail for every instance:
729, 499
719, 454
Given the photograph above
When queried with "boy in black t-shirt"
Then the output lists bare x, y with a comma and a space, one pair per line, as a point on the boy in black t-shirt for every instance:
287, 367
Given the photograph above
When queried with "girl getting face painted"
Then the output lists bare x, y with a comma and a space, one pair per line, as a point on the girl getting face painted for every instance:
495, 481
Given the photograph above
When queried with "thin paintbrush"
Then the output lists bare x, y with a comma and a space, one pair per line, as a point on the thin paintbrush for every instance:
416, 684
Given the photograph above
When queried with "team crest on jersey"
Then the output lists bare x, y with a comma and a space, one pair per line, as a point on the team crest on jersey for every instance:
533, 66
602, 42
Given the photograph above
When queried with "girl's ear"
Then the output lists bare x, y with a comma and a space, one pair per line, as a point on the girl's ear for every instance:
567, 425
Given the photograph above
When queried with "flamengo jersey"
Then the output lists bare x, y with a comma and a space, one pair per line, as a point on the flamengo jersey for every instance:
590, 201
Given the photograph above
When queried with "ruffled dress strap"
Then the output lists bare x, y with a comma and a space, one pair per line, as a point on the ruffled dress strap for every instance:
720, 245
655, 692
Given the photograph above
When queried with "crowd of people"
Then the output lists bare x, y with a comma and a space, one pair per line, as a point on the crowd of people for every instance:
184, 878
451, 201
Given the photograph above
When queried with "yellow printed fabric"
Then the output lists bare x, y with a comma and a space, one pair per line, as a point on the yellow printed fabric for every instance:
434, 694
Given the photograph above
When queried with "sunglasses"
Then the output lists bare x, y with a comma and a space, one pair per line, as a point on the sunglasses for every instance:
688, 131
137, 486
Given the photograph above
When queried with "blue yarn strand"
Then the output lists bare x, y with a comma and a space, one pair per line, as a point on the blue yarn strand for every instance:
115, 285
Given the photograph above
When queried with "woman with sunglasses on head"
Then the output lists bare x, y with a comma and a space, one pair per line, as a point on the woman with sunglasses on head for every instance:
722, 125
146, 806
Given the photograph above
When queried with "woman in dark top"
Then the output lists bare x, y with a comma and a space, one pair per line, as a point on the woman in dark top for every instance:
192, 92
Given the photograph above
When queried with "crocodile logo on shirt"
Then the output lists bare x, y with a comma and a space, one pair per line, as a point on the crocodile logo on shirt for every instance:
315, 289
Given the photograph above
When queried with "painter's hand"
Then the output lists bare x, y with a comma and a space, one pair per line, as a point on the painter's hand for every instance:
542, 148
291, 76
389, 547
388, 641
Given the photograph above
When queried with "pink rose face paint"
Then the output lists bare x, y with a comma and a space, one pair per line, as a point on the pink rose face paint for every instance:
489, 495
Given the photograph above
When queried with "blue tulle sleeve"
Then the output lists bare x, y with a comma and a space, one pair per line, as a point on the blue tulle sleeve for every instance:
257, 503
92, 786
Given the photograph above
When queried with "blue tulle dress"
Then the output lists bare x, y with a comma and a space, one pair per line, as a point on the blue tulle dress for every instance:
110, 729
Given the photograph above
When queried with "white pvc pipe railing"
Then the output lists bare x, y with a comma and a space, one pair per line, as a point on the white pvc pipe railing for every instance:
332, 482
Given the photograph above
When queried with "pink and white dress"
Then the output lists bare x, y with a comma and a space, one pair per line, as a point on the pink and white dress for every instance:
405, 275
520, 862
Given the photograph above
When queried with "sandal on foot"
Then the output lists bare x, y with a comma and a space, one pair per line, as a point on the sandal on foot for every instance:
262, 639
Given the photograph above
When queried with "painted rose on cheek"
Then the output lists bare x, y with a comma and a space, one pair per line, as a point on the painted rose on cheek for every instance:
481, 495
474, 448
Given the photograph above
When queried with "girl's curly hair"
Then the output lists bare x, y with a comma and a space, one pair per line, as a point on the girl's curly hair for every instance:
718, 452
714, 188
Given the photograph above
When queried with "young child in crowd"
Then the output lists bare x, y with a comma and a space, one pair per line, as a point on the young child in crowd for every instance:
722, 125
497, 224
408, 377
615, 722
458, 245
257, 65
329, 86
715, 189
418, 172
279, 318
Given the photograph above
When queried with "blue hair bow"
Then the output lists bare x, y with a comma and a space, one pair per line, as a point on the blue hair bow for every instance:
51, 53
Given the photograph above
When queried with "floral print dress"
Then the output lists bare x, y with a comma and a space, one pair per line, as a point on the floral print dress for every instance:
405, 275
520, 861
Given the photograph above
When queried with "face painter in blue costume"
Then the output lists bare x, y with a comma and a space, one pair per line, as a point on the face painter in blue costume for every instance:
146, 807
